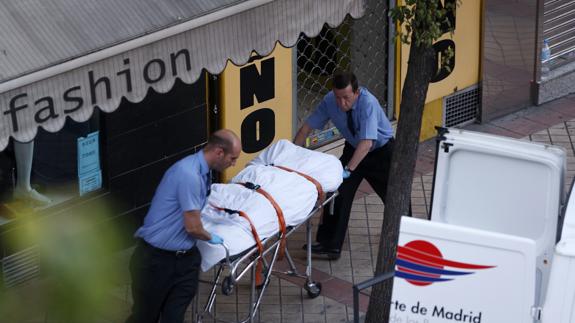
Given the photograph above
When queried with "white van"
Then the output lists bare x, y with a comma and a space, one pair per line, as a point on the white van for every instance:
494, 250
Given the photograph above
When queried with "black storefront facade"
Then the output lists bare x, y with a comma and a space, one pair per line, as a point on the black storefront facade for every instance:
148, 102
138, 142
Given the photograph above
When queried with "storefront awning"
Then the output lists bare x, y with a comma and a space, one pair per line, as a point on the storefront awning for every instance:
51, 77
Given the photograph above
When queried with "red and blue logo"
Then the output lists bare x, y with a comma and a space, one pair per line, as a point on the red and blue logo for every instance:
421, 264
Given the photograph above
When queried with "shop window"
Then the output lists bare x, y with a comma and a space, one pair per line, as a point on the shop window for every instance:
50, 170
318, 55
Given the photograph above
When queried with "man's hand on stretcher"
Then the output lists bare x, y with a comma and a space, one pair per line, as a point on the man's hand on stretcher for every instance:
216, 239
193, 225
346, 173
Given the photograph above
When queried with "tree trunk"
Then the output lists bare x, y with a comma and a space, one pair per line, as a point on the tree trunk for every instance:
421, 68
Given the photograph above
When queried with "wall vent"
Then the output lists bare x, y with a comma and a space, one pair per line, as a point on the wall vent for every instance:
21, 267
461, 107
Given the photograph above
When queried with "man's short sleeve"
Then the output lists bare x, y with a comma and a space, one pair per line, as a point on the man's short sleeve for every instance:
189, 192
319, 118
368, 122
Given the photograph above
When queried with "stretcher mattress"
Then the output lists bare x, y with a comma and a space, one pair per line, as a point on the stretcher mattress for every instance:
295, 195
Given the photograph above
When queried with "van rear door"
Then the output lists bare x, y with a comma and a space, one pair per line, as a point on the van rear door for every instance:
500, 184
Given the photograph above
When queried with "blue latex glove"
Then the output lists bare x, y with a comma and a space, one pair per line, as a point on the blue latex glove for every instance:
216, 239
346, 173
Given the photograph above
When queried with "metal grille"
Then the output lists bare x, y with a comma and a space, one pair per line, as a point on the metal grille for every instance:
357, 45
559, 30
20, 267
461, 107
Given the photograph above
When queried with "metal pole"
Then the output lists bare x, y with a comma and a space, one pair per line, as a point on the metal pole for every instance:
363, 285
355, 304
252, 294
308, 238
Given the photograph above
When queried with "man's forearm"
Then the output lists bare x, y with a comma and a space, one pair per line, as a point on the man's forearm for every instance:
194, 227
302, 134
359, 154
201, 234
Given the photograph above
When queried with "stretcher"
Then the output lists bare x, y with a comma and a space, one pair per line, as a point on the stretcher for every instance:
277, 193
233, 268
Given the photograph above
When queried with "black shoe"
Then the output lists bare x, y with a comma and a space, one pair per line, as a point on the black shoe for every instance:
319, 249
314, 246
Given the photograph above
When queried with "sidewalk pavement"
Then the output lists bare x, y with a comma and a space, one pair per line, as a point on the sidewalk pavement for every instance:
286, 301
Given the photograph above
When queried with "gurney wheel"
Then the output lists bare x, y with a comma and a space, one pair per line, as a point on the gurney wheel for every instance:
227, 286
313, 289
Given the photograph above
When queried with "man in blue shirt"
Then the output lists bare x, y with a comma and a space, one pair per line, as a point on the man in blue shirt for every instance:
166, 263
368, 134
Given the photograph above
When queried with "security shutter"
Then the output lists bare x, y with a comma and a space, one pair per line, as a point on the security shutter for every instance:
559, 30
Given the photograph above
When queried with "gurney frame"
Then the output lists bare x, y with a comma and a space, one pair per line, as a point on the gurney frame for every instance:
251, 257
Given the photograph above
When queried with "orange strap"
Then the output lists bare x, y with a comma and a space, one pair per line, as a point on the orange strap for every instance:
320, 192
259, 268
279, 212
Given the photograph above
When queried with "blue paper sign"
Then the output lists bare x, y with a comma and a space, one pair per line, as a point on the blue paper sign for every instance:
89, 173
90, 182
88, 153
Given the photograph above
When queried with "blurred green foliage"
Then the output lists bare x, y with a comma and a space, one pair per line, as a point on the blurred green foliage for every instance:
78, 269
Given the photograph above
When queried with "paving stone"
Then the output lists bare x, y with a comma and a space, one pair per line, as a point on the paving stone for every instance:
360, 255
269, 317
374, 208
314, 318
357, 231
419, 200
358, 238
336, 318
358, 208
373, 199
291, 290
361, 223
292, 308
292, 300
417, 192
362, 271
333, 307
375, 223
292, 319
270, 308
226, 308
560, 139
374, 215
226, 316
271, 300
309, 308
357, 215
541, 138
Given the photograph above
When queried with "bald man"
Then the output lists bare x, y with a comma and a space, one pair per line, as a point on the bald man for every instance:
166, 262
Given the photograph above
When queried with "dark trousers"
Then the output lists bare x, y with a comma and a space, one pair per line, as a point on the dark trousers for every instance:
163, 283
375, 169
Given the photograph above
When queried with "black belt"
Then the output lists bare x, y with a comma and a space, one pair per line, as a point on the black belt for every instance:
177, 253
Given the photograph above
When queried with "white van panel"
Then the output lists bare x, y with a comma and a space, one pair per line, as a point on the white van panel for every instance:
568, 230
502, 185
560, 299
559, 304
499, 184
483, 276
